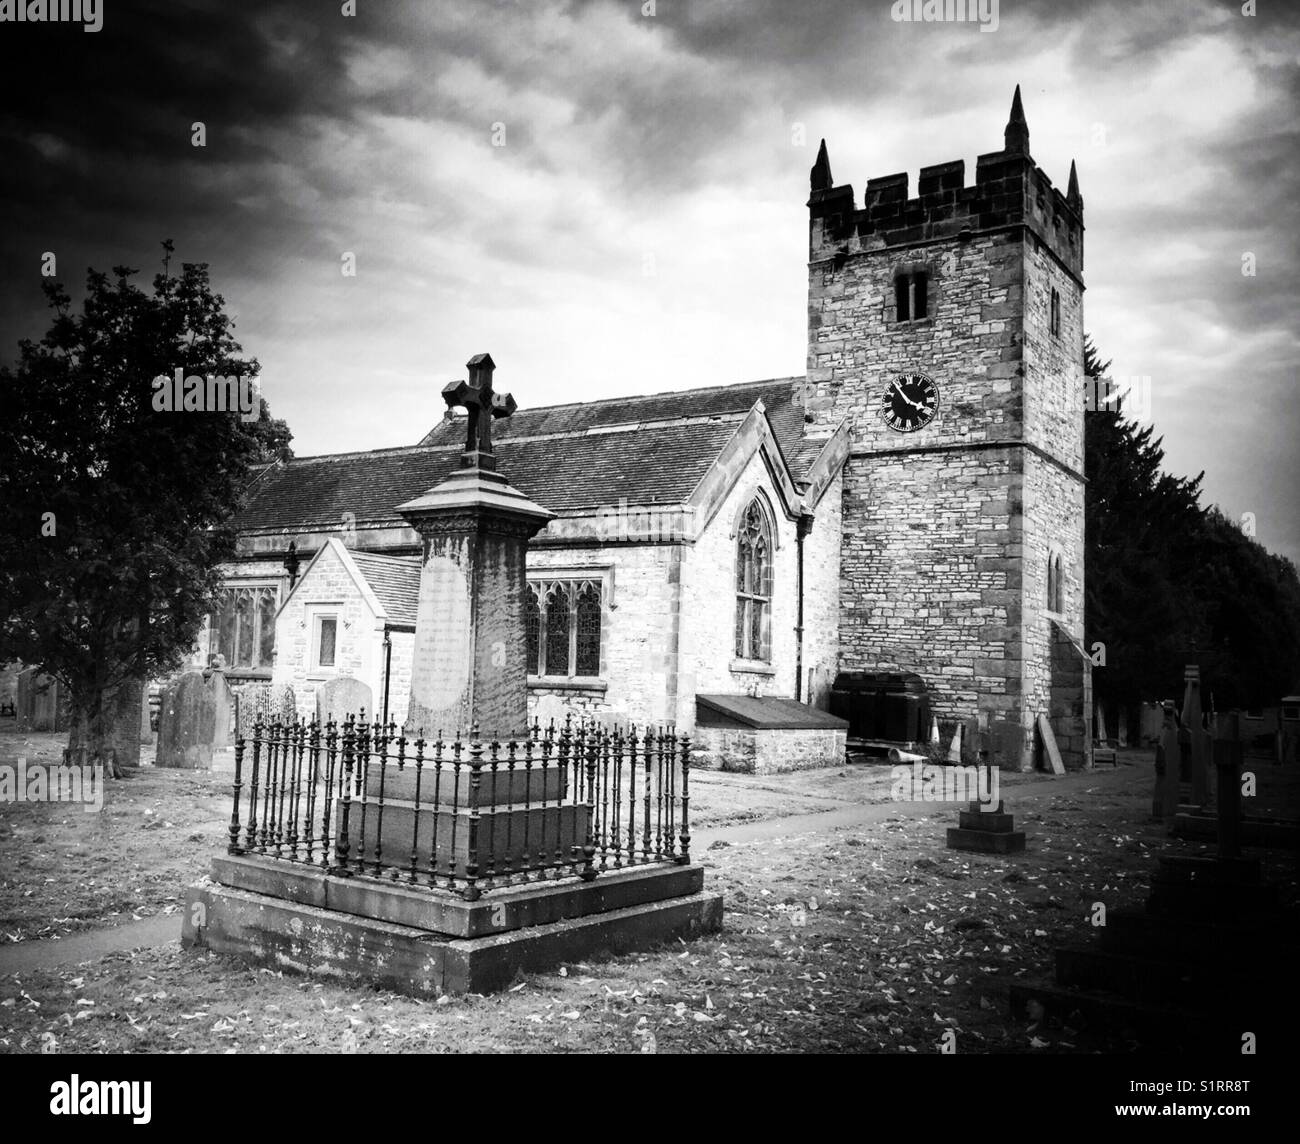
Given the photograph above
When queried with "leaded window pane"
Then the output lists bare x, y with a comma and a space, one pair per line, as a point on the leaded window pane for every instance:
753, 584
244, 640
328, 634
588, 622
532, 629
266, 634
226, 628
557, 631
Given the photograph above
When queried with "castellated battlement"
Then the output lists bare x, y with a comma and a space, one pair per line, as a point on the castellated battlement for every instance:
1010, 190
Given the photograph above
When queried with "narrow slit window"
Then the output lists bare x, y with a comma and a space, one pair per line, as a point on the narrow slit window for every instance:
920, 284
327, 641
902, 290
911, 296
754, 586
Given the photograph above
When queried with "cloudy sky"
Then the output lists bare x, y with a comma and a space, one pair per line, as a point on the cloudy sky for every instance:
643, 226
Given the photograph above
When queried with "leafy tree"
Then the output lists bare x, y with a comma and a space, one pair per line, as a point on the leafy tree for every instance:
116, 514
1170, 583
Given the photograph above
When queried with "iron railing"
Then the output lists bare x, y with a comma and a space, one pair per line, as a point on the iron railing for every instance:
466, 815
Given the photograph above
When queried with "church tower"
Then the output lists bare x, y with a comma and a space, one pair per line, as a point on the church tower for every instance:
948, 329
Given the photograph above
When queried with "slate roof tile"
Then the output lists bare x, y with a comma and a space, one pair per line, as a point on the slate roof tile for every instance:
568, 458
395, 580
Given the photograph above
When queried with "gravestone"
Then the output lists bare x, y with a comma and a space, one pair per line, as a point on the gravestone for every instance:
222, 703
284, 704
1158, 972
1151, 721
186, 724
124, 734
1165, 803
254, 700
981, 828
1050, 750
42, 702
1199, 745
342, 697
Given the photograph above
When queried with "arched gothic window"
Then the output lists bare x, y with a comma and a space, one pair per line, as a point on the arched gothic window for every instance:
587, 631
533, 628
242, 628
563, 622
754, 584
1055, 583
557, 630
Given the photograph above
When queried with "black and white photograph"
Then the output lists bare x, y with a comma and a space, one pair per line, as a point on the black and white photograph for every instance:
651, 527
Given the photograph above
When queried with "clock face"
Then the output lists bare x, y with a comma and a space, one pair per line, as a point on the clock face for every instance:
910, 402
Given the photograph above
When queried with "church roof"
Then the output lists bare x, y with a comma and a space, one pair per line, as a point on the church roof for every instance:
569, 458
394, 580
578, 418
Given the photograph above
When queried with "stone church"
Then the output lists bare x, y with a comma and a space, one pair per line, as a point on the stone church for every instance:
913, 503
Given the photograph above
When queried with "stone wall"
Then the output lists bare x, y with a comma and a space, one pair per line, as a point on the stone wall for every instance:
637, 629
709, 663
821, 618
399, 681
930, 581
766, 752
1054, 507
327, 587
1069, 699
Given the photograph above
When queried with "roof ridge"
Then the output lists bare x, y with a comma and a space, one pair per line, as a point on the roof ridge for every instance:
662, 393
403, 560
390, 450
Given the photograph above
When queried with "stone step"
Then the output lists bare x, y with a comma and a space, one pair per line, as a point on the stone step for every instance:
447, 912
357, 950
991, 821
986, 841
533, 786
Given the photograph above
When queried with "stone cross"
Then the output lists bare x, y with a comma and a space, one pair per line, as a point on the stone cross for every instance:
478, 399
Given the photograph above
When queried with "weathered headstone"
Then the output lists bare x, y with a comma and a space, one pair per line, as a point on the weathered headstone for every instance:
124, 737
284, 704
1050, 750
186, 724
222, 708
344, 696
954, 748
254, 700
1165, 803
1103, 738
42, 702
985, 828
1151, 722
1200, 748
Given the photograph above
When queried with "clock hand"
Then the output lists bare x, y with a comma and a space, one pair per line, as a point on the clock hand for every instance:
904, 396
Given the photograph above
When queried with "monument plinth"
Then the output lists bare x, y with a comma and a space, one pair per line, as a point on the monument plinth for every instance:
456, 855
469, 663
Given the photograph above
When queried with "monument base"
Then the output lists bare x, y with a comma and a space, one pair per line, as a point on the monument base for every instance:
424, 942
986, 831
